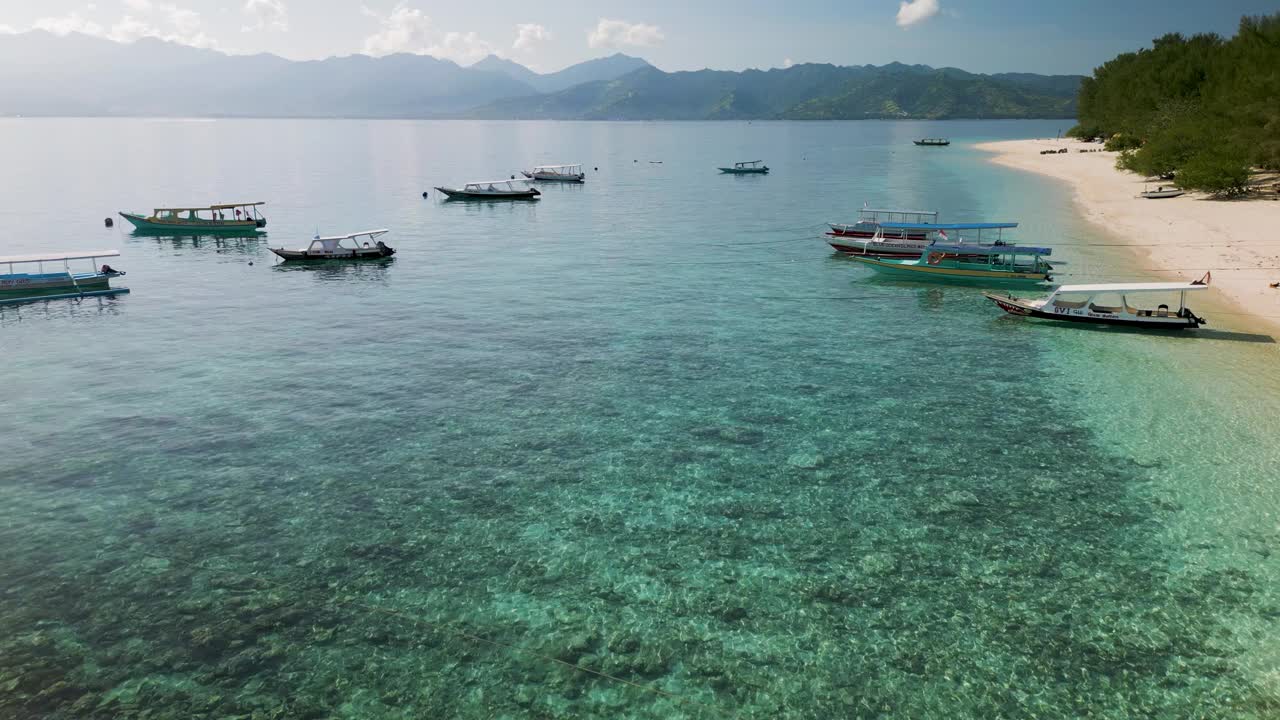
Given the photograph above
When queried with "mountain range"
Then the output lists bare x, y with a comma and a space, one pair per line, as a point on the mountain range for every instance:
43, 74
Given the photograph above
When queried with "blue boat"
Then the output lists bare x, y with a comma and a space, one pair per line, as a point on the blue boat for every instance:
18, 287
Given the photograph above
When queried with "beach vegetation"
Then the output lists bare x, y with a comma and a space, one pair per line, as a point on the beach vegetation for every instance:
1201, 107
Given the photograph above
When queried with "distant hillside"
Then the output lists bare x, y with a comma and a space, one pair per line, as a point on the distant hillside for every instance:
45, 74
606, 68
803, 92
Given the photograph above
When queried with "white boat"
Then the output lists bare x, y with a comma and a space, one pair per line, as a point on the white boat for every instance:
16, 287
363, 245
869, 220
1108, 304
492, 190
556, 173
1160, 193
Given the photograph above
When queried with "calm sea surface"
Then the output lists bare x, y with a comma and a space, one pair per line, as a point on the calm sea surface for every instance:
650, 427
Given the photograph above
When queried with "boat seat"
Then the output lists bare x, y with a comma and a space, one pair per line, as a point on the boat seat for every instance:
1162, 311
1105, 309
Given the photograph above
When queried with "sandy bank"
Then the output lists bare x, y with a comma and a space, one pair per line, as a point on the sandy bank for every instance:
1178, 238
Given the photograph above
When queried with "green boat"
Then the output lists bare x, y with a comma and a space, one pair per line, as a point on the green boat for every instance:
232, 218
970, 264
752, 167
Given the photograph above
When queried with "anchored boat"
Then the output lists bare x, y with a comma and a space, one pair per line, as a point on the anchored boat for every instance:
556, 173
228, 218
1108, 304
363, 245
751, 167
933, 142
16, 287
993, 264
1160, 193
908, 239
869, 220
492, 190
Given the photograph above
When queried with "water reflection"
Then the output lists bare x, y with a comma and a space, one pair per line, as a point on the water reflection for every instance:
46, 309
249, 244
364, 271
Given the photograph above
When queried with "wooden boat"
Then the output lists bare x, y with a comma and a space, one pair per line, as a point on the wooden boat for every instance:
906, 240
16, 287
245, 218
492, 190
556, 173
869, 220
1081, 303
994, 264
933, 142
324, 249
1160, 193
751, 167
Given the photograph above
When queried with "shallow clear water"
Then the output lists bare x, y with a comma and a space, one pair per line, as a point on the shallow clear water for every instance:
649, 427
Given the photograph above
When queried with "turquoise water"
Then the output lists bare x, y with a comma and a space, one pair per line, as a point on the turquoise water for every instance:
643, 449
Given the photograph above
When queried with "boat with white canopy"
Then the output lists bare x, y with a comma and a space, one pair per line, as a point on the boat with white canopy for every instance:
750, 167
869, 220
226, 218
907, 239
20, 284
989, 264
492, 190
556, 173
1108, 304
363, 245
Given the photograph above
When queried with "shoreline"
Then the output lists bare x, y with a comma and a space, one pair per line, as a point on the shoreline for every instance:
1225, 237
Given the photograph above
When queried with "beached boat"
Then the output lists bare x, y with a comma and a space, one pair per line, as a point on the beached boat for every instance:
363, 245
933, 142
869, 220
492, 190
906, 240
556, 173
751, 167
228, 218
18, 284
1108, 304
1160, 193
994, 264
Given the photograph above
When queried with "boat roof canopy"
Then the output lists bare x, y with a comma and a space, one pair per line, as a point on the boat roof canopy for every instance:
53, 257
556, 167
497, 182
947, 226
899, 212
989, 249
227, 206
371, 233
1132, 287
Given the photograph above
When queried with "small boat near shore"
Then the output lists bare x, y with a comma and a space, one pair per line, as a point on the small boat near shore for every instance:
245, 218
750, 167
556, 173
1160, 193
907, 240
17, 287
993, 264
1108, 304
492, 190
869, 220
933, 142
341, 247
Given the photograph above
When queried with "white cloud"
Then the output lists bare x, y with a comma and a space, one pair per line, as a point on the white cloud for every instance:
529, 36
788, 63
7, 30
409, 30
266, 13
158, 20
72, 22
911, 12
618, 33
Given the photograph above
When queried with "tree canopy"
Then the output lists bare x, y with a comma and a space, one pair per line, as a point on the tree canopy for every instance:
1203, 108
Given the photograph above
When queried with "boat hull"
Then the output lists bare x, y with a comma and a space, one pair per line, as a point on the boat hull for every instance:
1014, 306
453, 194
344, 254
24, 283
951, 272
196, 227
745, 171
868, 231
931, 144
546, 177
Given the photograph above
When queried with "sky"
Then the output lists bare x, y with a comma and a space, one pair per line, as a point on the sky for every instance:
986, 36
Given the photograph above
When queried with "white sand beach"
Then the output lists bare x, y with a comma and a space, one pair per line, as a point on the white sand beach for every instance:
1177, 238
